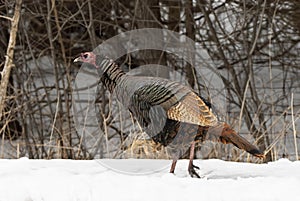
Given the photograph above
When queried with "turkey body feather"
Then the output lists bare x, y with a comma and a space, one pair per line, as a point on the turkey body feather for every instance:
179, 102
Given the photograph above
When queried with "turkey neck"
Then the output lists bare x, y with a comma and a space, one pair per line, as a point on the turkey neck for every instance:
112, 74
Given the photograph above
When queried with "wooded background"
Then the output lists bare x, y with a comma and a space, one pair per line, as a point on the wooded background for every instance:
255, 45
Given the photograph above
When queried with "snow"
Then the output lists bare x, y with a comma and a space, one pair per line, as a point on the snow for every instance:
108, 179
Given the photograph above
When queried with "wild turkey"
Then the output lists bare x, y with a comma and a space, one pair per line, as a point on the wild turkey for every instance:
170, 113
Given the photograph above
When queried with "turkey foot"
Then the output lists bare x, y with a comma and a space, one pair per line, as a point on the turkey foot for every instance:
192, 170
194, 166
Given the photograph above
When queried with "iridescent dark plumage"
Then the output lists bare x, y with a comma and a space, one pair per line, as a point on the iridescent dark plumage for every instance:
170, 113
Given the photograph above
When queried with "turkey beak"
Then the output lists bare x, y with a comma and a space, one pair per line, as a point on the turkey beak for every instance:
78, 59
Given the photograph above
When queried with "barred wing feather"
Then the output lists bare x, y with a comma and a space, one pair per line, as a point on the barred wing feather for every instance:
178, 103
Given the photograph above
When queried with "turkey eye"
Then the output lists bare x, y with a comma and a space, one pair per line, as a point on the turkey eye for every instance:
85, 56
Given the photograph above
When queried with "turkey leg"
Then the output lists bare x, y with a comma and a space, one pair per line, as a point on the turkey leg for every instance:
191, 166
173, 166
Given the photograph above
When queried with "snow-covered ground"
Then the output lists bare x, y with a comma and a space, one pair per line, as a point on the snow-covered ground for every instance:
35, 180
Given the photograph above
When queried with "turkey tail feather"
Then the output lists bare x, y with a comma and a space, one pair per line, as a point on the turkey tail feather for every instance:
228, 135
241, 143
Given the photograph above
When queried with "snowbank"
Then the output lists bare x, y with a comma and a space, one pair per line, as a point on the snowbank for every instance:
33, 180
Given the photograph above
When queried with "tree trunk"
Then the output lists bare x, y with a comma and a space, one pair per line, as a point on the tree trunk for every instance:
5, 74
148, 16
190, 32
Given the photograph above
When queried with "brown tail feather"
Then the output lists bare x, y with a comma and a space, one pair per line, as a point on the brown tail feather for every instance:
241, 143
228, 135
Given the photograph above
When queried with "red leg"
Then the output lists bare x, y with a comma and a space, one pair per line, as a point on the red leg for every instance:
173, 166
191, 165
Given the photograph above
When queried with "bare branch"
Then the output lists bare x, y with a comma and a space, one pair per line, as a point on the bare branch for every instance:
9, 56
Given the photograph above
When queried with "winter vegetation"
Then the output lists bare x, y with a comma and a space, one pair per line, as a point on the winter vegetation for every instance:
252, 46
